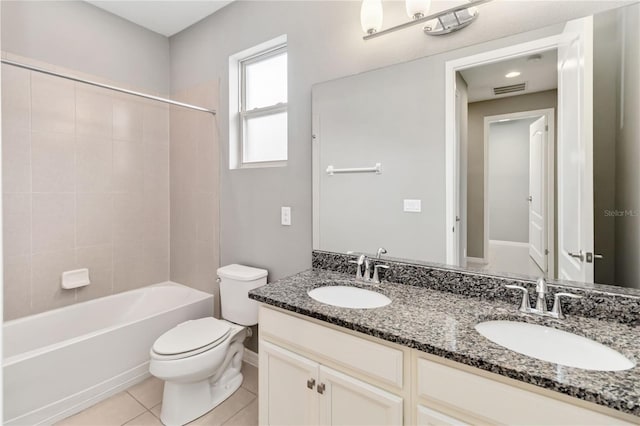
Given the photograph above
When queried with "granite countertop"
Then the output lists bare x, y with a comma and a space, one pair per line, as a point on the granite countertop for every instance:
442, 324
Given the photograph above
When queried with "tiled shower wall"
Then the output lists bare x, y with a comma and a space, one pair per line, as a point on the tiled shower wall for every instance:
85, 185
194, 157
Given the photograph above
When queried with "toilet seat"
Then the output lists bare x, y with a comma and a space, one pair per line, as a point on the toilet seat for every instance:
191, 338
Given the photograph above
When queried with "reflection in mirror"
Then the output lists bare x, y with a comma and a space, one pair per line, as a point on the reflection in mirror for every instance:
544, 179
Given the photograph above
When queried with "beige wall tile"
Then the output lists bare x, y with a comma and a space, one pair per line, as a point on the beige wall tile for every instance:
17, 224
47, 292
156, 168
17, 287
94, 219
99, 261
127, 119
183, 215
94, 112
206, 266
128, 166
16, 159
16, 97
207, 158
205, 207
52, 104
53, 222
94, 164
114, 411
183, 261
128, 274
155, 128
128, 217
156, 214
53, 162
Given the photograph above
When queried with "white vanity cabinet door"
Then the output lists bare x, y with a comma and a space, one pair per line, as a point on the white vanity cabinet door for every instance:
285, 398
351, 402
429, 417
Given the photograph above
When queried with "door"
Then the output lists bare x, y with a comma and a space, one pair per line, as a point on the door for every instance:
351, 402
459, 244
430, 417
287, 387
537, 193
575, 150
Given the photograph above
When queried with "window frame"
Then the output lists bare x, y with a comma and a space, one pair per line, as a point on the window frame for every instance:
244, 114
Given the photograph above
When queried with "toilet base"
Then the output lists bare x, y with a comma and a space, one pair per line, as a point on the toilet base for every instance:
185, 402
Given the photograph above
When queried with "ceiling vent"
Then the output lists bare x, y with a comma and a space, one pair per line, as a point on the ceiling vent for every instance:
520, 87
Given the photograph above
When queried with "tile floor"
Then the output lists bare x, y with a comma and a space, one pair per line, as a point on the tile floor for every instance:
140, 406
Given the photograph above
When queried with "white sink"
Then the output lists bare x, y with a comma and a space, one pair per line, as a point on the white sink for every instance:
557, 346
349, 297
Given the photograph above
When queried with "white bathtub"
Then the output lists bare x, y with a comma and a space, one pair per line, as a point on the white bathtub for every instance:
59, 362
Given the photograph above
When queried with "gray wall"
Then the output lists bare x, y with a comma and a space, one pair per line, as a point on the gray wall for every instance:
324, 42
378, 117
606, 69
82, 37
475, 185
628, 155
509, 180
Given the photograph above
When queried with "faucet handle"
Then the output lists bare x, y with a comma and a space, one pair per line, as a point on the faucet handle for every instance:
525, 305
359, 270
556, 311
376, 268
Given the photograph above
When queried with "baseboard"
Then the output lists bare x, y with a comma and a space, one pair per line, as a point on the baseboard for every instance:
509, 243
250, 357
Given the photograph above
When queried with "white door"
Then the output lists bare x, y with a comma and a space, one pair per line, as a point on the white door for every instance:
287, 384
575, 151
430, 417
537, 193
351, 402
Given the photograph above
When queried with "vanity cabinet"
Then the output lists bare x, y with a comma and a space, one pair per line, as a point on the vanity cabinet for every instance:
298, 391
314, 373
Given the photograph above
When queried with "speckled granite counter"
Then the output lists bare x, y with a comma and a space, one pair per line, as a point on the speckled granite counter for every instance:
442, 323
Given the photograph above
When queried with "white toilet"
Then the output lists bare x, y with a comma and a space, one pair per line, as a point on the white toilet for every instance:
200, 360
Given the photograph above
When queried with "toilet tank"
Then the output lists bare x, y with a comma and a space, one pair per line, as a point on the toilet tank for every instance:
235, 283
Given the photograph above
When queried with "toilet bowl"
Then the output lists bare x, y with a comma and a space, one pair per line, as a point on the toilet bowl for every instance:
200, 360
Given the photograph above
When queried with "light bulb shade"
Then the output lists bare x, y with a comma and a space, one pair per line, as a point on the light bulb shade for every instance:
371, 16
417, 9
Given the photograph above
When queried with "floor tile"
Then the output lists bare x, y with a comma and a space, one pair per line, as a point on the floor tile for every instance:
248, 416
149, 392
115, 411
250, 381
223, 412
145, 419
156, 410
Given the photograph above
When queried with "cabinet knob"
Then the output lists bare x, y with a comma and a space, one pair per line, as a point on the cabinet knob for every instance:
320, 388
311, 383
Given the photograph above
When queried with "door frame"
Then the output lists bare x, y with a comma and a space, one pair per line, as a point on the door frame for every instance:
451, 67
549, 218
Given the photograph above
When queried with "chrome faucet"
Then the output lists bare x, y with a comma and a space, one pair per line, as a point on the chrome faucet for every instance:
380, 252
541, 300
361, 260
365, 275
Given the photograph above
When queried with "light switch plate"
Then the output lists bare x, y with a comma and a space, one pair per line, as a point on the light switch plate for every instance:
285, 216
413, 206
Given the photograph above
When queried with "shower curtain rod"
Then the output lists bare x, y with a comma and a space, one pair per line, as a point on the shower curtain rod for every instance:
108, 86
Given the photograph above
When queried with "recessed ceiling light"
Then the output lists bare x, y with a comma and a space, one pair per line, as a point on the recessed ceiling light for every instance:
512, 74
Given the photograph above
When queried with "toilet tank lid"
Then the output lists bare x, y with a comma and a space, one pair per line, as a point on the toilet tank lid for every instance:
241, 272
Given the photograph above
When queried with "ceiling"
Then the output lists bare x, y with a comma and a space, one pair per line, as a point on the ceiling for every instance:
538, 75
163, 17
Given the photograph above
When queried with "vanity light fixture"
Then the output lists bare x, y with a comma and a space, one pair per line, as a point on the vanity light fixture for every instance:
512, 74
439, 23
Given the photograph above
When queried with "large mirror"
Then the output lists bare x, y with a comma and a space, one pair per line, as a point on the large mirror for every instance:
520, 155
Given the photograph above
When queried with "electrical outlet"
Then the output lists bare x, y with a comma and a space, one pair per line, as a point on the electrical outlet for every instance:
285, 216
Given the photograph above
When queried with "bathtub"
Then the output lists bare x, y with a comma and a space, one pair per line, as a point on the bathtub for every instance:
59, 362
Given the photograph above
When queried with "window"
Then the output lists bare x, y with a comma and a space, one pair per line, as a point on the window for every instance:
260, 135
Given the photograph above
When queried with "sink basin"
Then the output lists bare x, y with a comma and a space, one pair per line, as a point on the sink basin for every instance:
349, 297
557, 346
